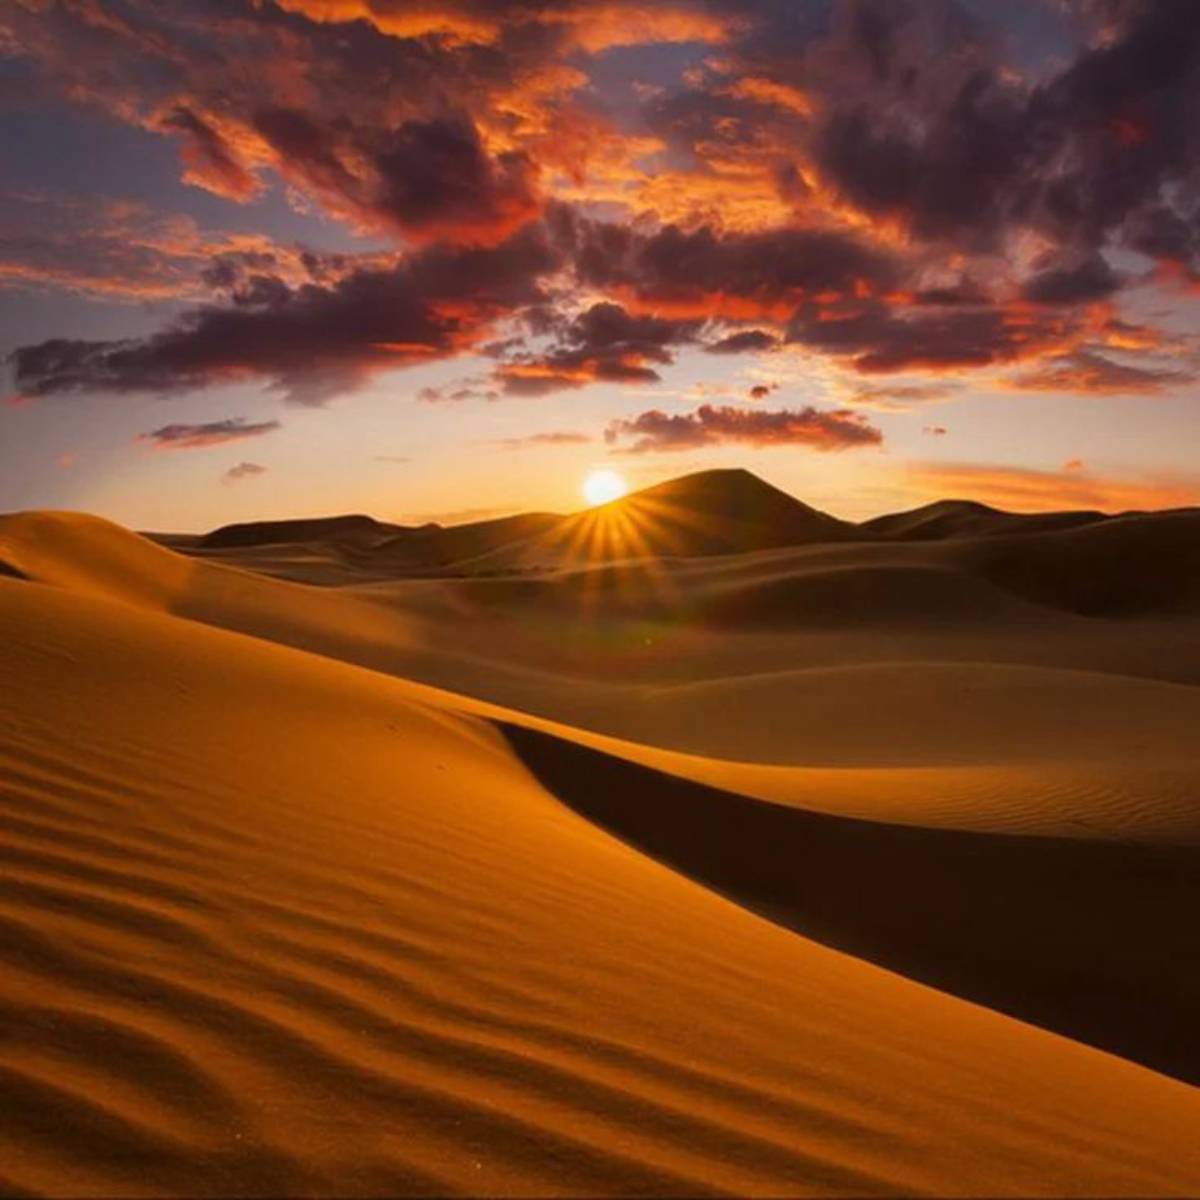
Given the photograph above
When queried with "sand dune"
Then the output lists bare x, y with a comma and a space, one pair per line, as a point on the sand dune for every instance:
353, 528
1028, 925
969, 518
711, 512
344, 549
345, 942
754, 873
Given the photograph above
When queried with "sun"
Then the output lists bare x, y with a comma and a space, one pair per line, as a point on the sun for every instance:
600, 487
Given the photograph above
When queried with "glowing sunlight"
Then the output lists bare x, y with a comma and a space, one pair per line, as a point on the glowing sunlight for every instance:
601, 487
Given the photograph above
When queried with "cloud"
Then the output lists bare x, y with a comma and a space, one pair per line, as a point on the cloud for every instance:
712, 425
313, 341
1023, 489
748, 341
1087, 373
895, 186
901, 397
604, 343
210, 162
744, 276
593, 27
211, 433
425, 180
544, 439
879, 339
243, 470
433, 395
1088, 280
120, 249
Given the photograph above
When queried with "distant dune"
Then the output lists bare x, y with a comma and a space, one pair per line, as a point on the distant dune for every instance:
698, 843
969, 518
946, 557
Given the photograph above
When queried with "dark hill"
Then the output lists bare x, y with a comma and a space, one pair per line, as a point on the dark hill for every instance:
968, 518
356, 528
710, 512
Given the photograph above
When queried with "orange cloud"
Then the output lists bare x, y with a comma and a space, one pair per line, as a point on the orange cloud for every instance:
768, 91
1023, 489
591, 27
218, 155
1092, 374
597, 27
455, 23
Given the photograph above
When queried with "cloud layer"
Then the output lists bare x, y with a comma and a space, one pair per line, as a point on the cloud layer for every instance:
912, 195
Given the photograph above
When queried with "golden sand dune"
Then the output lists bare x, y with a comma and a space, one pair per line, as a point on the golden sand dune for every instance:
274, 923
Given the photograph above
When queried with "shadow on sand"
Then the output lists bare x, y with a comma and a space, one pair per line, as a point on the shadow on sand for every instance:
1092, 939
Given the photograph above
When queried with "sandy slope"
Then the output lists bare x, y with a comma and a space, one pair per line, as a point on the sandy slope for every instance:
273, 923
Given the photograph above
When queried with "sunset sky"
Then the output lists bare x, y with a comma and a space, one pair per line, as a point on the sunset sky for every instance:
439, 259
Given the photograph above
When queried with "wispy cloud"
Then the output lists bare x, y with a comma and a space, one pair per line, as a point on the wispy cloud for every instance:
243, 470
207, 434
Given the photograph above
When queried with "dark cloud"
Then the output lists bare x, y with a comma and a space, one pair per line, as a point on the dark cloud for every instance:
1088, 280
704, 272
748, 341
951, 181
209, 433
423, 179
709, 425
875, 338
1120, 123
312, 341
1163, 234
921, 118
604, 343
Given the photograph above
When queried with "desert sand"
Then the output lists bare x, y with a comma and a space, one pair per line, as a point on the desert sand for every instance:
700, 843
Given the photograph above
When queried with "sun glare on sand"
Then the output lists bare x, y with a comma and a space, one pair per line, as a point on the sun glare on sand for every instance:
602, 486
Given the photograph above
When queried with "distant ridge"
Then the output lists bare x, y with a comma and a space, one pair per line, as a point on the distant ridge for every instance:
355, 527
718, 512
969, 518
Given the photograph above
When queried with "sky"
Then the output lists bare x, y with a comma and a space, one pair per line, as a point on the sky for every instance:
440, 259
